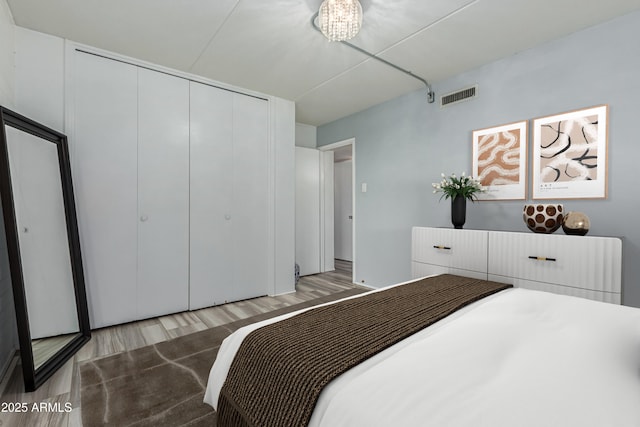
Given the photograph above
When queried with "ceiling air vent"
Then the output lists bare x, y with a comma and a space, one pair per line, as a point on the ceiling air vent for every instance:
459, 96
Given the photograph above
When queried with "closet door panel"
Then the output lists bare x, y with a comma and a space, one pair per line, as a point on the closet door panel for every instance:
211, 190
163, 193
104, 156
250, 196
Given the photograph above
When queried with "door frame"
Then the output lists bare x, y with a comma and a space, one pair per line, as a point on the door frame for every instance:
324, 231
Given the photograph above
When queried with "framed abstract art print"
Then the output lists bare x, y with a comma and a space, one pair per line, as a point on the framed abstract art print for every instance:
570, 155
500, 161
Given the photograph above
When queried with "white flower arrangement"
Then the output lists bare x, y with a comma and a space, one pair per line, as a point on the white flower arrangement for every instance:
453, 186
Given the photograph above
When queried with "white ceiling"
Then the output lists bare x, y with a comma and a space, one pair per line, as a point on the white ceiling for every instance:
270, 46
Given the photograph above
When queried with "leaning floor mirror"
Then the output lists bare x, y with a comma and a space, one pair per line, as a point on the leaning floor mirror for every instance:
43, 246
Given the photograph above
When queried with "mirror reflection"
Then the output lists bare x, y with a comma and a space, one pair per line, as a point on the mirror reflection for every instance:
43, 248
43, 242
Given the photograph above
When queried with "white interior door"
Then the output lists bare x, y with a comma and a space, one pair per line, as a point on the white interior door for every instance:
344, 211
327, 202
163, 194
308, 210
103, 150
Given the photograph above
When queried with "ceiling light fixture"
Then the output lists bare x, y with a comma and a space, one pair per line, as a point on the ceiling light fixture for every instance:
340, 19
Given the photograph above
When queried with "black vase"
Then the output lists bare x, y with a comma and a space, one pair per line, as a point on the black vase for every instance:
458, 211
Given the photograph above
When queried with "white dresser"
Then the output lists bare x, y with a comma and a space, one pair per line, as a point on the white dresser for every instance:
583, 266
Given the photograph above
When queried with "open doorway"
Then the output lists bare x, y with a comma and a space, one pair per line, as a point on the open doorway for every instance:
341, 236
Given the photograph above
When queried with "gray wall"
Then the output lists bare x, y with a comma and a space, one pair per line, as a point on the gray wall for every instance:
403, 145
305, 135
8, 332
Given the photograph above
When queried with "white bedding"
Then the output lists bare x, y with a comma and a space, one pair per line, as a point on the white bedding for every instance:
515, 358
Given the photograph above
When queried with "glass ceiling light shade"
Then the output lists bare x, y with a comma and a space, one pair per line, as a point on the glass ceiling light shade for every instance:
340, 19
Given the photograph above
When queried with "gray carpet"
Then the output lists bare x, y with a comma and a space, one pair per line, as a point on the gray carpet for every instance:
162, 384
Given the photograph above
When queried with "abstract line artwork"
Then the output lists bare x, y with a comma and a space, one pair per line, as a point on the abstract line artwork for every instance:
570, 155
569, 150
499, 161
499, 158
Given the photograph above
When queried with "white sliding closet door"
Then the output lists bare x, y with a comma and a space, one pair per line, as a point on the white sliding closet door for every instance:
229, 196
163, 193
104, 164
211, 196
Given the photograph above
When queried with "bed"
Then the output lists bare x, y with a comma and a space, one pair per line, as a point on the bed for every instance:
514, 357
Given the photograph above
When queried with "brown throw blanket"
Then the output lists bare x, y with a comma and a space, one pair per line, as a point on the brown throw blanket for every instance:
280, 369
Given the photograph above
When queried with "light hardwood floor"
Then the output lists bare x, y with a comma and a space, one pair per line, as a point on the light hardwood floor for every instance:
64, 386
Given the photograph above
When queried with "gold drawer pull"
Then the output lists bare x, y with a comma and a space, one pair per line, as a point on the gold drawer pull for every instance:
542, 258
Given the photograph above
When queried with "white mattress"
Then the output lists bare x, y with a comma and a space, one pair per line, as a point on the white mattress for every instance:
515, 358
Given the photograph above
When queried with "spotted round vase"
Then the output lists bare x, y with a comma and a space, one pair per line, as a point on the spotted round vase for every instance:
458, 211
543, 218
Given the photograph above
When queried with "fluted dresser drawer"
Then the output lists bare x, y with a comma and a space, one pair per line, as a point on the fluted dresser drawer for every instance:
588, 263
451, 250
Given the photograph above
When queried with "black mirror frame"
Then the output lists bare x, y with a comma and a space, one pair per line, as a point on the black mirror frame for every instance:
33, 378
